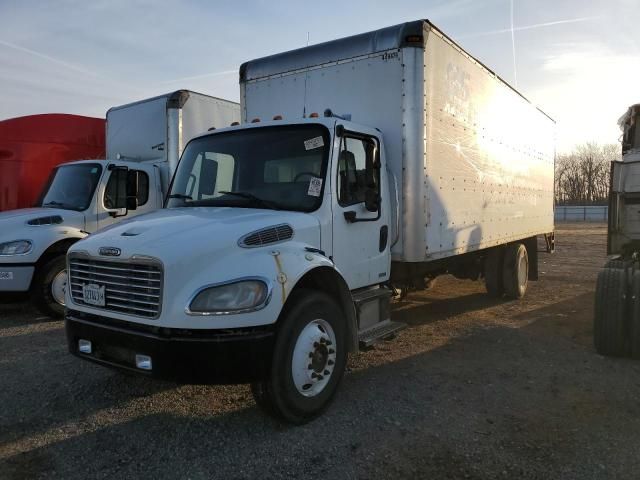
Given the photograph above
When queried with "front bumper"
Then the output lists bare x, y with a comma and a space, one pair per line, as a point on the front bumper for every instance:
15, 278
186, 356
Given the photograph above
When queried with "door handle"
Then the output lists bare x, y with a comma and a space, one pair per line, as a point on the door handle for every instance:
384, 237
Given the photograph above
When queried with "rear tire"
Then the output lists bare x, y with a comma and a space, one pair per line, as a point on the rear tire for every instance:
635, 315
47, 282
308, 361
609, 325
515, 271
493, 272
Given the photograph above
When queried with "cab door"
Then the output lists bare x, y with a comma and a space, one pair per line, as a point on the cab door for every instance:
360, 219
113, 192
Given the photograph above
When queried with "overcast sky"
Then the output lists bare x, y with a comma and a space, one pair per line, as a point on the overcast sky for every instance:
579, 60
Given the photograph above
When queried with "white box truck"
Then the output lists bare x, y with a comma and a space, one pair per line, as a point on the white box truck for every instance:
144, 142
284, 236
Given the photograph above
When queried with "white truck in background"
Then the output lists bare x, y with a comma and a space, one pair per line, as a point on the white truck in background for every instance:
284, 236
144, 142
616, 329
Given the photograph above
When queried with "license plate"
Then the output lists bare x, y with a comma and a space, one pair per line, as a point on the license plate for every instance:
6, 275
93, 294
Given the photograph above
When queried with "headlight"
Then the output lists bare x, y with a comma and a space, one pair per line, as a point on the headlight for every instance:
230, 298
17, 247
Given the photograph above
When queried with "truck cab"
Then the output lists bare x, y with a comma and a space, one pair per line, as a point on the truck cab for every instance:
270, 227
79, 198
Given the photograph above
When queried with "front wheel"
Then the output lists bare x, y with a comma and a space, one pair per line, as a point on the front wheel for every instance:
49, 285
308, 361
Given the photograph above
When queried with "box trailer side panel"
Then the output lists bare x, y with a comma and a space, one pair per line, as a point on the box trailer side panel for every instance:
489, 156
201, 112
138, 131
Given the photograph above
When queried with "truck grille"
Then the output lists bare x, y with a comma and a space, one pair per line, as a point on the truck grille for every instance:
130, 288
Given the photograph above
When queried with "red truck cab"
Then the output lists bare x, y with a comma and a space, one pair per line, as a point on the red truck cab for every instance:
31, 146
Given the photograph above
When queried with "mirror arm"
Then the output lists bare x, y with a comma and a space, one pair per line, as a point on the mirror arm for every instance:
350, 217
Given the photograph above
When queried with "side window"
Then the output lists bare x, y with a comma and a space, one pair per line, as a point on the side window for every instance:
355, 170
116, 189
143, 187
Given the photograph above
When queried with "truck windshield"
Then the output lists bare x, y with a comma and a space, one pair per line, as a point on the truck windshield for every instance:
71, 187
280, 167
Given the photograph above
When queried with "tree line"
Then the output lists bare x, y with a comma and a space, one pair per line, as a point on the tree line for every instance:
582, 176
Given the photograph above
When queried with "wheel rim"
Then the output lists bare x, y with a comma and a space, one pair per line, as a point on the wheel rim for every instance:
59, 287
314, 358
522, 271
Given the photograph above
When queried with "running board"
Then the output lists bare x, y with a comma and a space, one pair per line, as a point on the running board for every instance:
381, 331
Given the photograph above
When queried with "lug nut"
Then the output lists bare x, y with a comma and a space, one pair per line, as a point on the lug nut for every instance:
327, 372
331, 350
330, 362
320, 377
310, 367
310, 354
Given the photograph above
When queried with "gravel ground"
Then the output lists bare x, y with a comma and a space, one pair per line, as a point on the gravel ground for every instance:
474, 388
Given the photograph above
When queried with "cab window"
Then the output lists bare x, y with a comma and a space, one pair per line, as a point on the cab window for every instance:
355, 170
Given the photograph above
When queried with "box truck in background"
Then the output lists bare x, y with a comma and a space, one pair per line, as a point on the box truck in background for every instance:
371, 161
31, 146
143, 143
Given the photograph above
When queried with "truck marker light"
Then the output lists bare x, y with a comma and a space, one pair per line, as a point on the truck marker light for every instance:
84, 346
255, 120
235, 124
277, 117
143, 362
314, 115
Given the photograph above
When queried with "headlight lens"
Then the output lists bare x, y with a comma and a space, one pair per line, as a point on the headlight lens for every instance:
17, 247
229, 298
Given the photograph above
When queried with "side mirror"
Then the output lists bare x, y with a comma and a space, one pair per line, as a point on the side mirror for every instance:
371, 200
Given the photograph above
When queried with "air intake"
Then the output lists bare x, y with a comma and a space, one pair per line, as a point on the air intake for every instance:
51, 220
267, 236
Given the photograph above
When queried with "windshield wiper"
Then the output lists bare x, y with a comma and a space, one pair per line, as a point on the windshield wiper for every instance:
53, 203
250, 196
180, 196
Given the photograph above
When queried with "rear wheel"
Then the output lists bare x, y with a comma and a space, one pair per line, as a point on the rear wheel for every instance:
635, 315
49, 285
493, 272
609, 326
308, 360
515, 271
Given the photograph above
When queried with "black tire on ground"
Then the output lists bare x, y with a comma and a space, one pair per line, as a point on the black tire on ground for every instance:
278, 395
41, 287
515, 271
635, 315
493, 272
610, 329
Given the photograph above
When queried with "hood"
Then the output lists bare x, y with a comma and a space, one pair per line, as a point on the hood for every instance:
177, 234
13, 222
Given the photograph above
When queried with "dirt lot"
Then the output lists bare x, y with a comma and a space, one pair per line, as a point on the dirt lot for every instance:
474, 388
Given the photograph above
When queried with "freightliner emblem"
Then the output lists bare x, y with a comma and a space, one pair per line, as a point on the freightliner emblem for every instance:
110, 251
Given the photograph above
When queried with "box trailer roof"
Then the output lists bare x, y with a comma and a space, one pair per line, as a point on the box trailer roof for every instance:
175, 99
409, 34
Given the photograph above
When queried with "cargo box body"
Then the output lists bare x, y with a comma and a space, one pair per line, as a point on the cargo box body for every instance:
473, 159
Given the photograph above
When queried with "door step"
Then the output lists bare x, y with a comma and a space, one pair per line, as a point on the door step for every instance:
382, 331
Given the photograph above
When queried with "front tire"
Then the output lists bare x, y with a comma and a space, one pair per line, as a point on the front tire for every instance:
609, 325
308, 361
49, 285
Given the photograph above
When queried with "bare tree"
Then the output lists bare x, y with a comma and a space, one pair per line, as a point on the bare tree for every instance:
582, 176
